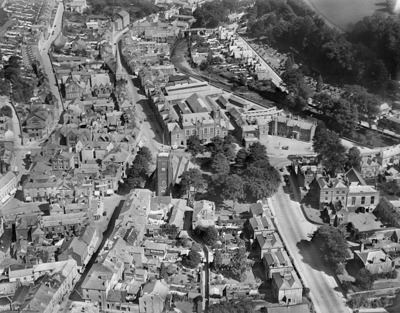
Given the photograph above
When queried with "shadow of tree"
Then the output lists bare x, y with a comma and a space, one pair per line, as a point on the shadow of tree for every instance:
312, 256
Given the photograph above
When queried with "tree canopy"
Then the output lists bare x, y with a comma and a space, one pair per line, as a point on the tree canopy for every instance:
332, 244
136, 8
353, 159
208, 234
390, 188
223, 146
257, 152
337, 114
351, 58
6, 111
192, 179
330, 149
171, 230
10, 76
192, 260
364, 279
220, 164
366, 103
194, 145
233, 188
231, 307
138, 173
211, 14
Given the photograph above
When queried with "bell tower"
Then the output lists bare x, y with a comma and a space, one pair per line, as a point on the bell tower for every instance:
164, 173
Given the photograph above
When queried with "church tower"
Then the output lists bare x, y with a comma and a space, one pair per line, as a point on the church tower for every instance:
164, 173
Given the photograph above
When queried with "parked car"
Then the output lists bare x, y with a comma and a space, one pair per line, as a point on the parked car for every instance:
285, 147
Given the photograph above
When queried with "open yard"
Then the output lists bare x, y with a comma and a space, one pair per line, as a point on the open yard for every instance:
342, 13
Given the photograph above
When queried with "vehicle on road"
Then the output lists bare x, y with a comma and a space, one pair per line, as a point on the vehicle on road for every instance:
285, 148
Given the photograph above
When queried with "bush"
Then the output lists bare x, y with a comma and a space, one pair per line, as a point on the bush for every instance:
364, 279
192, 260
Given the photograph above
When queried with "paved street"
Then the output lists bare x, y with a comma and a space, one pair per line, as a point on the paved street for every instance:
151, 134
295, 231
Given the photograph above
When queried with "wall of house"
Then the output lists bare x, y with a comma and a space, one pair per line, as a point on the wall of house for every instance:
288, 296
366, 200
328, 195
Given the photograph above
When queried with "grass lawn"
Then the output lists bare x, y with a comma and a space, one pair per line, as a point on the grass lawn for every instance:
342, 13
184, 306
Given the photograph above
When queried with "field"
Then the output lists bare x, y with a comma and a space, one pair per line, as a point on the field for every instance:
342, 13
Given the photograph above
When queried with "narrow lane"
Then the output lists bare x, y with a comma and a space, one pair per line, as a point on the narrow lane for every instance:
75, 296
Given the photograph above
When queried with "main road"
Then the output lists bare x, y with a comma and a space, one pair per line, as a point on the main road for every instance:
295, 231
151, 134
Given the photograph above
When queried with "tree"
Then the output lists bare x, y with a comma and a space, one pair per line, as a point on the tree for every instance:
194, 145
353, 159
390, 188
261, 180
330, 149
220, 164
192, 260
257, 151
192, 179
364, 279
138, 172
217, 261
231, 307
146, 153
209, 234
320, 84
241, 157
171, 230
366, 103
6, 111
163, 271
233, 188
332, 244
222, 145
239, 264
289, 62
338, 114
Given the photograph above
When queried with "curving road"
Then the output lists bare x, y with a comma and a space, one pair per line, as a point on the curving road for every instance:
295, 231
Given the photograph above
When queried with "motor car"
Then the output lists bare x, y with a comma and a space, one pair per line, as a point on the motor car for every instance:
285, 147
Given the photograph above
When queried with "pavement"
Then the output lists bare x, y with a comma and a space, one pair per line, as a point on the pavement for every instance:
296, 231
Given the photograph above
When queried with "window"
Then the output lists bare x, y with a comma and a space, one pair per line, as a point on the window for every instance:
205, 130
353, 200
337, 192
326, 199
327, 193
177, 136
372, 199
193, 132
343, 191
217, 132
187, 132
211, 130
362, 200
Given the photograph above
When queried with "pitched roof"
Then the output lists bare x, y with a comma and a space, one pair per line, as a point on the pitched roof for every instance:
286, 280
156, 287
373, 256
